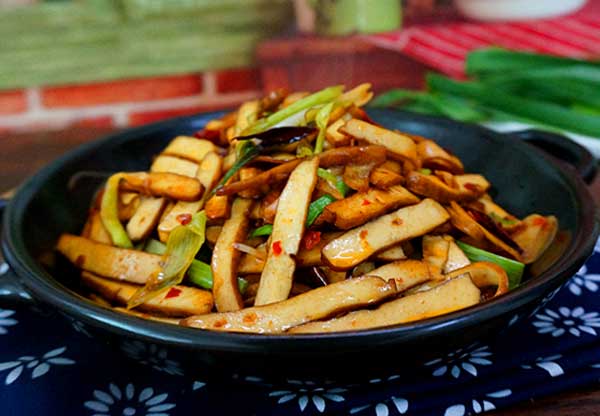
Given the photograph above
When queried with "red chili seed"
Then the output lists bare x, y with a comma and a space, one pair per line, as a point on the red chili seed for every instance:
184, 219
172, 293
277, 250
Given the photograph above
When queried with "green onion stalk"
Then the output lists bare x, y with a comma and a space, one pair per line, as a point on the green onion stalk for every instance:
109, 212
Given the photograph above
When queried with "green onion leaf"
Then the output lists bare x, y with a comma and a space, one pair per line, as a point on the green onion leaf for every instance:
316, 208
319, 98
262, 231
183, 244
425, 171
514, 269
549, 113
109, 212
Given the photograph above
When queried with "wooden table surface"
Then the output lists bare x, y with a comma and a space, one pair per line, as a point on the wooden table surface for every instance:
23, 154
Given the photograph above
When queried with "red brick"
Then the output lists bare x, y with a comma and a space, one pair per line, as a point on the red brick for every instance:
144, 117
12, 102
236, 80
275, 76
94, 122
133, 90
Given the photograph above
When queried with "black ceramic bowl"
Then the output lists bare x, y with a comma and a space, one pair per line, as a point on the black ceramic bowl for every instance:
525, 181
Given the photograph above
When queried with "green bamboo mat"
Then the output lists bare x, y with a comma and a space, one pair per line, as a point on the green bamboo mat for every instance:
92, 40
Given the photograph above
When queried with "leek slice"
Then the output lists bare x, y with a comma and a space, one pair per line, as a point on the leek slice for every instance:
321, 97
514, 269
183, 244
109, 212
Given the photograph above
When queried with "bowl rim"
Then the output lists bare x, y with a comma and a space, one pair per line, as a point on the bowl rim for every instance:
46, 288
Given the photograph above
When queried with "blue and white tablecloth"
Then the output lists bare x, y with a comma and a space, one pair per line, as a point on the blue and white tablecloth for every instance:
48, 367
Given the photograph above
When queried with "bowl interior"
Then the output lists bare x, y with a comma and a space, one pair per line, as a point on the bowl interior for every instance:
523, 180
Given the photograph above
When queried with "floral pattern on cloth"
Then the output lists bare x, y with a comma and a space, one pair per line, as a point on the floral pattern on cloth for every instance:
50, 366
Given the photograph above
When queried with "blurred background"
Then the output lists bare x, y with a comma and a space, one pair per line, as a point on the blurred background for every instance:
118, 63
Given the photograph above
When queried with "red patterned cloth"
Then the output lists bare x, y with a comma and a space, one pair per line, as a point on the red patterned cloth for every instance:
445, 46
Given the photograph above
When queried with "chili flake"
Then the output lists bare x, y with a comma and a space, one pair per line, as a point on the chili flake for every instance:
363, 234
172, 293
311, 239
539, 221
366, 202
184, 219
276, 247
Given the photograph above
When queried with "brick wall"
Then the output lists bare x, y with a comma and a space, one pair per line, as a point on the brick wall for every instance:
125, 102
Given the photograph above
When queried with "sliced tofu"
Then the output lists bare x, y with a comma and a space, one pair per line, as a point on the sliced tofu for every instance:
146, 217
179, 301
225, 258
364, 206
360, 243
451, 296
208, 174
467, 187
535, 236
407, 273
288, 229
164, 163
399, 146
116, 263
315, 304
159, 184
190, 148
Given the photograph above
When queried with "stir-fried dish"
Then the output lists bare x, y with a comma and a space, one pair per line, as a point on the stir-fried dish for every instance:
299, 214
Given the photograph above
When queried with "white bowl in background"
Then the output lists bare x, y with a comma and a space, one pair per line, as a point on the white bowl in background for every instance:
490, 10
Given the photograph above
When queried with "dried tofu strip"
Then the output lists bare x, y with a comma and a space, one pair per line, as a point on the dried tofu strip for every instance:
435, 250
359, 155
451, 296
190, 148
174, 165
276, 174
208, 173
312, 257
150, 210
434, 157
116, 263
456, 258
288, 229
468, 187
391, 254
360, 243
97, 231
225, 258
407, 273
399, 146
246, 116
217, 207
382, 177
127, 205
171, 185
315, 304
465, 223
363, 206
334, 136
179, 301
484, 274
144, 221
535, 235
